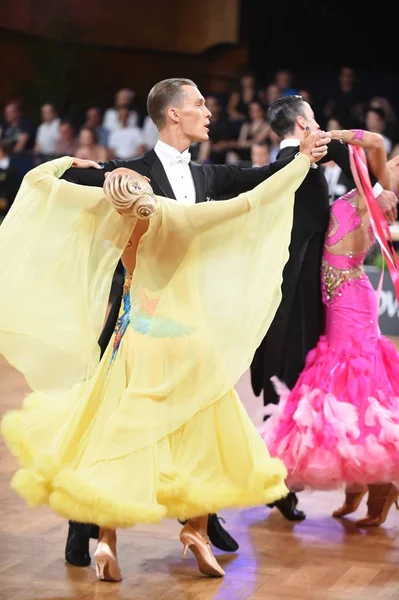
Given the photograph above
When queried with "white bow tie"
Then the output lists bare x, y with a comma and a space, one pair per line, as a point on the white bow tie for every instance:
183, 158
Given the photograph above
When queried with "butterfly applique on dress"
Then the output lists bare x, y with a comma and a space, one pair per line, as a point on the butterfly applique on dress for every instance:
141, 317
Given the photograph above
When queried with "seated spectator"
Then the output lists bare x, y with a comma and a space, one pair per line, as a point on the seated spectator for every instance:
375, 122
254, 131
260, 154
283, 82
391, 125
220, 134
18, 131
240, 99
150, 133
9, 179
126, 141
123, 99
347, 101
305, 94
88, 146
48, 132
271, 94
66, 144
93, 121
274, 145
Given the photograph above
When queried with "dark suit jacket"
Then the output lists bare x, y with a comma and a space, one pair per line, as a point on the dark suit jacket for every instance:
299, 320
212, 182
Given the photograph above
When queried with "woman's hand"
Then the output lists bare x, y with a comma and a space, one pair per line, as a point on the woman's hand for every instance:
314, 145
82, 163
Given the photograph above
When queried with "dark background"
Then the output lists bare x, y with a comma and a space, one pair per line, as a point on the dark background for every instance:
315, 38
76, 53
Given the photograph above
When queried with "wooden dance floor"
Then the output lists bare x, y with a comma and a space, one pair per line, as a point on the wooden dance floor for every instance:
321, 558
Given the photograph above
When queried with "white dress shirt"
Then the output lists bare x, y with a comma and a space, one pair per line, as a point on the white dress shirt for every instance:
176, 165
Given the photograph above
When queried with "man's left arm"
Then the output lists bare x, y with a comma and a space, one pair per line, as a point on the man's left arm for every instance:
232, 180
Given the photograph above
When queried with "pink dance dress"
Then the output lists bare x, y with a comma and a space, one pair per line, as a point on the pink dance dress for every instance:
340, 423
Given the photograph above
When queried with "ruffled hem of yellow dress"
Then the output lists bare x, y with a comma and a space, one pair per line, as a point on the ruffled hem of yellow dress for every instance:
73, 498
43, 480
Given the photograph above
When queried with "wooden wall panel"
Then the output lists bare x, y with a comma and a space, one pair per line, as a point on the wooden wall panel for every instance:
188, 26
42, 70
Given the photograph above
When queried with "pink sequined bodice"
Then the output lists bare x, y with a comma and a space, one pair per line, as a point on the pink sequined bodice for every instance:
342, 259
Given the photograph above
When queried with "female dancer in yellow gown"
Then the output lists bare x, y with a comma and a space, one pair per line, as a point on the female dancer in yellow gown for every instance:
156, 428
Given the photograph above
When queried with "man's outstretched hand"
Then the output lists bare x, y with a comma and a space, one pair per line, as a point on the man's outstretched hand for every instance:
388, 203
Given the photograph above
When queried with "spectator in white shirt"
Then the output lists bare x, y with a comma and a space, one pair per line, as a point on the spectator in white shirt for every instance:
150, 133
123, 99
126, 141
48, 132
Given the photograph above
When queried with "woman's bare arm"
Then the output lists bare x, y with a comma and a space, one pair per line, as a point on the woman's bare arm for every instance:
373, 143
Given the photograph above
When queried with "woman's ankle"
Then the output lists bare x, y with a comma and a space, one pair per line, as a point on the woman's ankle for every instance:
200, 524
108, 536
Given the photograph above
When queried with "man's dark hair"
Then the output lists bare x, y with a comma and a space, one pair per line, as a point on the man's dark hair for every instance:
163, 95
282, 114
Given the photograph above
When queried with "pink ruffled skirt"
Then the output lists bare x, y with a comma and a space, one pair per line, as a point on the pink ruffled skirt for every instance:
340, 423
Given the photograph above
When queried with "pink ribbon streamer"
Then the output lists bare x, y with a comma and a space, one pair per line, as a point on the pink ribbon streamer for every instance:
378, 222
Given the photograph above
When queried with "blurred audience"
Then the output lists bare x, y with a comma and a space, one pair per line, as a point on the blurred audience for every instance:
220, 134
94, 120
48, 132
347, 100
66, 143
271, 95
123, 99
306, 95
9, 178
88, 146
274, 145
126, 141
254, 131
283, 82
260, 155
375, 122
18, 131
238, 132
247, 91
150, 133
391, 126
338, 183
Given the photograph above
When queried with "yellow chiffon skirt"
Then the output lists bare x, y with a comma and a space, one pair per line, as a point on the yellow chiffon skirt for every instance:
77, 456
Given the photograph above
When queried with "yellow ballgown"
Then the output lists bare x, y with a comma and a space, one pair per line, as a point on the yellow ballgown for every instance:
156, 428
